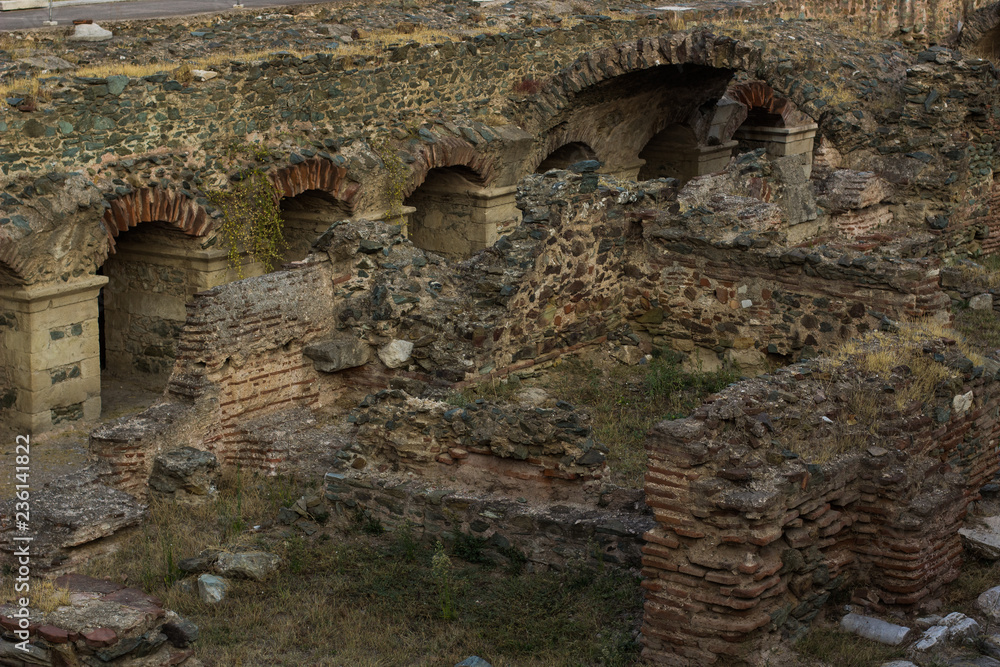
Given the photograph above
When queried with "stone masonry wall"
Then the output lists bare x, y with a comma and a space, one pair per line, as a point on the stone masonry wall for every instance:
609, 259
545, 536
760, 520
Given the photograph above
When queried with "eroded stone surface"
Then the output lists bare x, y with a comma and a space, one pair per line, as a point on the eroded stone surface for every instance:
186, 475
69, 512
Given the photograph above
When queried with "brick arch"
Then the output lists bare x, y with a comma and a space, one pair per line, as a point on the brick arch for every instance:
697, 48
759, 95
12, 271
315, 174
154, 205
978, 26
450, 152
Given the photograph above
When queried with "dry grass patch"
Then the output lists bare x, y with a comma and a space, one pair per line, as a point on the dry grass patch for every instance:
43, 594
366, 599
985, 272
843, 649
979, 327
881, 353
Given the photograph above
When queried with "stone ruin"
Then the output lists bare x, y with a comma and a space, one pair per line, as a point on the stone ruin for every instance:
752, 220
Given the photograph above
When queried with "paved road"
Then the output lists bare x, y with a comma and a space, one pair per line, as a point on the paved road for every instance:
145, 9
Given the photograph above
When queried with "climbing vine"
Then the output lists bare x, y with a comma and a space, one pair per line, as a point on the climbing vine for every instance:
396, 185
251, 221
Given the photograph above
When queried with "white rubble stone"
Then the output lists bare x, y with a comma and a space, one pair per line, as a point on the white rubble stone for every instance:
203, 74
989, 603
931, 638
964, 629
981, 302
875, 629
396, 353
983, 543
89, 32
962, 402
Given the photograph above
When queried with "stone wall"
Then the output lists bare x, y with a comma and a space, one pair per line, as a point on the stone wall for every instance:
680, 282
785, 490
546, 536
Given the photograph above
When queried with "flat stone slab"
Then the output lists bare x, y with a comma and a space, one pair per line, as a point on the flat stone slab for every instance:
70, 511
81, 583
89, 32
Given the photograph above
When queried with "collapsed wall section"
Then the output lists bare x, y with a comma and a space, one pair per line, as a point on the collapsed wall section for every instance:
239, 355
816, 481
702, 272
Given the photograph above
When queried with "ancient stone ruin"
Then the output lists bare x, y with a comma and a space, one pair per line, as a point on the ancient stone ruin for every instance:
740, 187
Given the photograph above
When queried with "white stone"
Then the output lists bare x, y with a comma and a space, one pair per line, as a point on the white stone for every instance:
931, 638
981, 302
875, 629
962, 402
983, 543
212, 589
89, 32
952, 619
746, 303
898, 663
989, 603
396, 353
535, 397
963, 629
629, 355
203, 74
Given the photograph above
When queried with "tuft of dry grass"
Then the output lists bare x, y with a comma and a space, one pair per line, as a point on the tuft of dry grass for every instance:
362, 599
880, 353
836, 647
43, 594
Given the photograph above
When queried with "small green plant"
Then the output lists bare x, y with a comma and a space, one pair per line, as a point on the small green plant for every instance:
515, 559
368, 524
251, 220
407, 542
441, 566
470, 548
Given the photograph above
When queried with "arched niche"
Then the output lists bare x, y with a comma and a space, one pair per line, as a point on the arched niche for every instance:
773, 123
305, 217
566, 155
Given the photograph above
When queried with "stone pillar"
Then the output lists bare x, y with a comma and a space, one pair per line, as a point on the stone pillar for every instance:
49, 342
686, 162
144, 303
459, 223
781, 141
